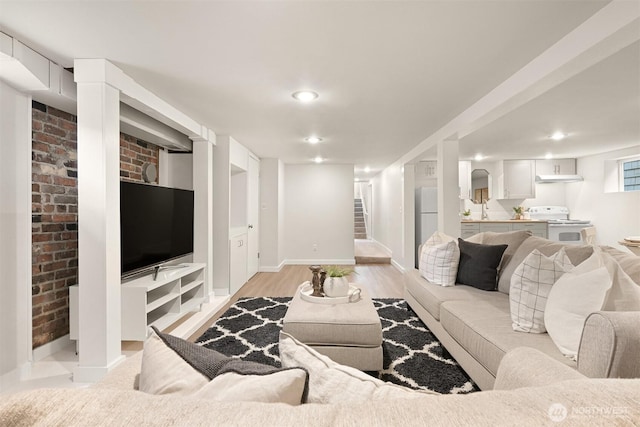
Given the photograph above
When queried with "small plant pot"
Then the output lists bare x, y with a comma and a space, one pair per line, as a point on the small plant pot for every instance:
336, 287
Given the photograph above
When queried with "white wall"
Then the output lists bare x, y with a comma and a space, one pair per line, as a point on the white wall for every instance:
271, 214
176, 170
388, 189
546, 195
319, 211
15, 234
281, 213
615, 215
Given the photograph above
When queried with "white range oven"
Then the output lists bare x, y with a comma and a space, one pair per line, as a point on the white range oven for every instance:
561, 228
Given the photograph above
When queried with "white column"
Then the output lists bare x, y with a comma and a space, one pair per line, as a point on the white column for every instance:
409, 216
448, 198
15, 235
203, 215
221, 182
98, 230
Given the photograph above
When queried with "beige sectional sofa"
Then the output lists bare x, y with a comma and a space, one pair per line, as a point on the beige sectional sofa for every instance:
475, 325
531, 389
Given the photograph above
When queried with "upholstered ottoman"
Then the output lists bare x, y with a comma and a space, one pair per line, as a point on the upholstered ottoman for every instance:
350, 334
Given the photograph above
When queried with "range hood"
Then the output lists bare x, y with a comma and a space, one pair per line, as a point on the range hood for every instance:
550, 179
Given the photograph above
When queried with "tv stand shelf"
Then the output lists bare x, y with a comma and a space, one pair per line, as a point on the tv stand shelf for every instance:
161, 302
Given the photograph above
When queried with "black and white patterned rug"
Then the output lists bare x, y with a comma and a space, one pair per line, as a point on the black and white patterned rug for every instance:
413, 357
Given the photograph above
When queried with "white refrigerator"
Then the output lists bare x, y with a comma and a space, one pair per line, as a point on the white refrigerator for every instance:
426, 215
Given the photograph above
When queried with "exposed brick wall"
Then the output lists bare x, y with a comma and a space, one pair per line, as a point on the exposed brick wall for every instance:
55, 213
134, 153
54, 198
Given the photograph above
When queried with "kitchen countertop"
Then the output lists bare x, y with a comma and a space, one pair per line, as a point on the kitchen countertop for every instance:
480, 221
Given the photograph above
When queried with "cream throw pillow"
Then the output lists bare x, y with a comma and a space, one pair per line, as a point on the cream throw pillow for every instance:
531, 283
163, 371
331, 382
278, 387
624, 294
572, 298
439, 258
171, 365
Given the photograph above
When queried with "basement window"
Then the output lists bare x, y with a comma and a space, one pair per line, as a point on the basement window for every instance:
630, 174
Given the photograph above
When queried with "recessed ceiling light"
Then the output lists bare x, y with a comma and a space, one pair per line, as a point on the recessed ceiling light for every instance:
558, 136
367, 169
305, 95
313, 139
318, 159
548, 156
478, 157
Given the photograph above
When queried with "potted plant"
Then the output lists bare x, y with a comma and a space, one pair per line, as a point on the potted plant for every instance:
519, 212
336, 283
466, 214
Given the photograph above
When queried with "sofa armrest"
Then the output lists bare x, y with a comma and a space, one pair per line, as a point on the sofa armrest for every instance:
528, 367
610, 345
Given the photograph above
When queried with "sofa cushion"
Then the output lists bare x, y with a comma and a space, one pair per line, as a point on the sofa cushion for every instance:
431, 296
478, 265
439, 258
530, 287
331, 382
483, 328
624, 294
630, 263
576, 254
171, 365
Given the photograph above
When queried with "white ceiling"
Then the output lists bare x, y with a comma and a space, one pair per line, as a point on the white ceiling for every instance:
599, 109
389, 74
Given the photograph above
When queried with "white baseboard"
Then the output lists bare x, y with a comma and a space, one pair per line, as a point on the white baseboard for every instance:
13, 377
350, 261
383, 247
272, 269
92, 374
398, 266
52, 347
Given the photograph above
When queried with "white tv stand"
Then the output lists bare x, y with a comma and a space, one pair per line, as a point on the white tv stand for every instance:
160, 302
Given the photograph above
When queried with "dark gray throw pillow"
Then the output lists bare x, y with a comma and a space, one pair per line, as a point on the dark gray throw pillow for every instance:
478, 265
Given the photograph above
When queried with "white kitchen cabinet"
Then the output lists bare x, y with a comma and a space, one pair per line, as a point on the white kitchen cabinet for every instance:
556, 167
464, 179
237, 262
495, 227
517, 180
537, 229
468, 229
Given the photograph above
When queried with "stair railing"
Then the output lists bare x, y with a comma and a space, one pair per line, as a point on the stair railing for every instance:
366, 217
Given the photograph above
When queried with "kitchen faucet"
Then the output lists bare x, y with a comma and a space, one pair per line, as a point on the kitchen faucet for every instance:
484, 211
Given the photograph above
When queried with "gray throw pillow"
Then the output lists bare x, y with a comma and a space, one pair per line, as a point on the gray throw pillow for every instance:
478, 265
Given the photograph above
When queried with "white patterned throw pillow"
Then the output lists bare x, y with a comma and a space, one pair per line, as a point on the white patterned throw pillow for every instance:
439, 258
573, 297
531, 283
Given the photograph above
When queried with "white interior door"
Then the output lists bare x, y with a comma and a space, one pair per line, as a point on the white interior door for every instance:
253, 208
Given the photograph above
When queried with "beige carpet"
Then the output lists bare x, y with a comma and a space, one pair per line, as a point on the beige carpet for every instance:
370, 252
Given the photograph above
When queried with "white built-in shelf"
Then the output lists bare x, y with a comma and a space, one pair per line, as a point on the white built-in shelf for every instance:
147, 302
161, 302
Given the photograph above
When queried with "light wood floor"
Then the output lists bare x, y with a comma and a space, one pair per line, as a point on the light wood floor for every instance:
380, 281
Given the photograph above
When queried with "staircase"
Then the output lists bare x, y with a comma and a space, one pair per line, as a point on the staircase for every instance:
360, 231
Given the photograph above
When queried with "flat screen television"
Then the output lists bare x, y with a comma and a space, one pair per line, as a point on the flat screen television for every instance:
156, 225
